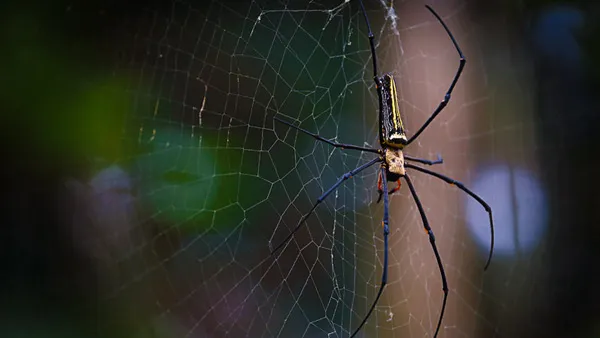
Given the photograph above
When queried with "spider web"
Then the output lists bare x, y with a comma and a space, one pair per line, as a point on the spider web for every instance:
219, 181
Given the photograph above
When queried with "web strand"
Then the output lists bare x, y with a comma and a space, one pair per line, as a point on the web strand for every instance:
219, 178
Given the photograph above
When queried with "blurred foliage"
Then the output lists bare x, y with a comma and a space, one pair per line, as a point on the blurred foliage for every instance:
57, 104
60, 109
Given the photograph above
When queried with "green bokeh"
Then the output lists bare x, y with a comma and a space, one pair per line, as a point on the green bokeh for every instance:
188, 180
55, 105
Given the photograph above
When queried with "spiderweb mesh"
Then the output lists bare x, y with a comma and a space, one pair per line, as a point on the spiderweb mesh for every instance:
218, 180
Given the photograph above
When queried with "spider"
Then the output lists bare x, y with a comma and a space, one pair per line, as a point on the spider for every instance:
392, 141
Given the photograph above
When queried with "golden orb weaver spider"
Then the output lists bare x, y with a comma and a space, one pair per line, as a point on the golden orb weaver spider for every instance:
392, 141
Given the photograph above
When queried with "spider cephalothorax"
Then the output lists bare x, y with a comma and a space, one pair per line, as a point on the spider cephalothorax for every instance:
394, 160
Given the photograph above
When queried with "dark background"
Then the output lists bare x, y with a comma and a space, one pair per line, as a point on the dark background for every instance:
67, 116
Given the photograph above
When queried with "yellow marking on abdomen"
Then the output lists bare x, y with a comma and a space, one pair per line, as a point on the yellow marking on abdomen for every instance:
395, 108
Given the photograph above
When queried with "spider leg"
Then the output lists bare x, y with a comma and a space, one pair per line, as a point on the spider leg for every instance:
435, 250
424, 161
470, 193
322, 197
386, 232
335, 144
371, 42
398, 185
380, 189
446, 99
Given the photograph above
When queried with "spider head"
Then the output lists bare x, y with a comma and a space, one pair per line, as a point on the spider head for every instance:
394, 160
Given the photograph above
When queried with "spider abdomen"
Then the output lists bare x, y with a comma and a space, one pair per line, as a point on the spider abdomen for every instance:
392, 128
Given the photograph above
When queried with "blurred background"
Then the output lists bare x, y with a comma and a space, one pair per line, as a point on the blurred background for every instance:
145, 178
